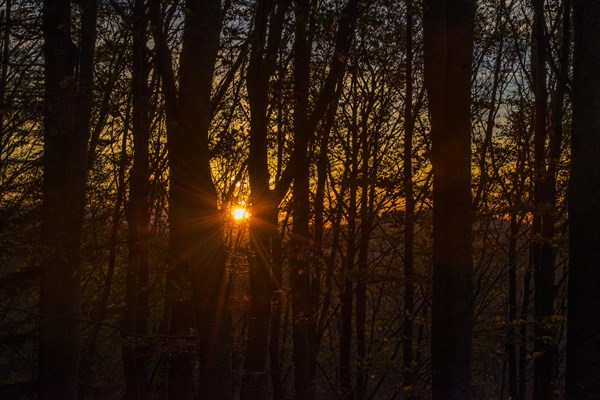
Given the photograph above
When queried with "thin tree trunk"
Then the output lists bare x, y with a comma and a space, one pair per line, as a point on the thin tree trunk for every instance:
543, 219
319, 229
512, 307
89, 361
318, 257
4, 60
275, 334
366, 211
275, 329
347, 393
409, 218
491, 116
300, 240
523, 353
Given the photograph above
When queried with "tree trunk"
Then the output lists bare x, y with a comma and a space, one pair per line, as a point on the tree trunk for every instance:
275, 325
366, 211
4, 60
67, 100
543, 220
300, 240
409, 216
523, 353
583, 340
178, 291
448, 47
512, 306
347, 289
263, 224
136, 309
197, 286
318, 233
197, 226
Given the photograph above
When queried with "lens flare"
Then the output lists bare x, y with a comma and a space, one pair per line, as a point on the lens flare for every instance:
240, 213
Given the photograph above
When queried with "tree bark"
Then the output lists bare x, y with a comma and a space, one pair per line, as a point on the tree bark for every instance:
512, 306
409, 216
448, 47
583, 340
197, 225
300, 240
67, 101
136, 309
263, 224
523, 353
4, 60
543, 219
197, 287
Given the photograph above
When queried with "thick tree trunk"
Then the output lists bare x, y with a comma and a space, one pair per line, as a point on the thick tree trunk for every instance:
66, 131
136, 309
583, 340
197, 219
448, 36
263, 224
197, 287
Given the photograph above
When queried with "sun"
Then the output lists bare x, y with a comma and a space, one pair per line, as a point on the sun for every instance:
240, 213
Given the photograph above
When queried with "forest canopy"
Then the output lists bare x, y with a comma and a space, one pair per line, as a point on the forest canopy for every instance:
308, 199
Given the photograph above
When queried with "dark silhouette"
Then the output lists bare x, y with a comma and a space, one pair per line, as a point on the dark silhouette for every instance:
68, 77
448, 40
583, 340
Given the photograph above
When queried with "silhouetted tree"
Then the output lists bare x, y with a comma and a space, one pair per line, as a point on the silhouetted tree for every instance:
268, 22
197, 290
583, 340
136, 352
543, 219
448, 40
68, 73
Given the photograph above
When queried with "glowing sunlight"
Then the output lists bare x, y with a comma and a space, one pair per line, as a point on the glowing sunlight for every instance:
240, 213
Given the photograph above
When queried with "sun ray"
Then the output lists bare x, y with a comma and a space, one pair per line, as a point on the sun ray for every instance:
240, 213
